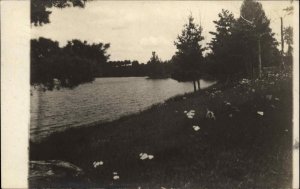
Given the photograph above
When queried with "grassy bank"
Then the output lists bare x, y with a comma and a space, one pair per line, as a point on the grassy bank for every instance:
248, 145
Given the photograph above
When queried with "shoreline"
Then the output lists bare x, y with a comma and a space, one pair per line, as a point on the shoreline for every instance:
34, 137
228, 152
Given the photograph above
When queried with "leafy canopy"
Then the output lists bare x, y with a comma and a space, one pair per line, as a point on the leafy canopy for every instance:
40, 14
69, 66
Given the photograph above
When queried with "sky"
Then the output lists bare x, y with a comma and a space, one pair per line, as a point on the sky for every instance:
136, 28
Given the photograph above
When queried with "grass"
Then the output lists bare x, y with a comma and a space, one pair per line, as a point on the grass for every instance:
240, 149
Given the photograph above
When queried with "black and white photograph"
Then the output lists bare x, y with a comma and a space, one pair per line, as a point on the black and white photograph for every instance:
162, 94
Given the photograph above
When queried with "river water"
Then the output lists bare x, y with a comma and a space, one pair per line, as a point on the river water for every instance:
103, 100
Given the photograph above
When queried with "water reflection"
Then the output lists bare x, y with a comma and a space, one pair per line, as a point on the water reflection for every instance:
103, 100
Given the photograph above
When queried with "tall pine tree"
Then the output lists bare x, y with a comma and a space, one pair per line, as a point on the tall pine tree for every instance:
224, 60
189, 59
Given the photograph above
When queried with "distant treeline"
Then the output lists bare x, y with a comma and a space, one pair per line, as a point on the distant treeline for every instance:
154, 68
240, 48
80, 62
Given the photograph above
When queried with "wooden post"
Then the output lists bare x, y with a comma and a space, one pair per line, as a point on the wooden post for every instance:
259, 58
195, 89
282, 43
198, 82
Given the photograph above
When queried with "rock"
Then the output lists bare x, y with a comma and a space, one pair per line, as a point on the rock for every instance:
43, 173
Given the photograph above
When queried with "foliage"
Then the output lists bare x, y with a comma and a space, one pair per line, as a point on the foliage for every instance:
234, 50
188, 58
76, 63
40, 13
224, 58
235, 46
156, 68
259, 28
289, 10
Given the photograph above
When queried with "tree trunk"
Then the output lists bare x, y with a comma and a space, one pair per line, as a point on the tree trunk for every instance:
198, 82
227, 80
195, 89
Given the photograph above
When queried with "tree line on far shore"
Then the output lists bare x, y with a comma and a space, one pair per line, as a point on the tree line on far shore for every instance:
239, 48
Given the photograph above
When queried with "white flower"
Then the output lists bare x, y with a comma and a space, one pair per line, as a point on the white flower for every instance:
260, 113
144, 156
190, 117
196, 128
97, 163
116, 177
227, 103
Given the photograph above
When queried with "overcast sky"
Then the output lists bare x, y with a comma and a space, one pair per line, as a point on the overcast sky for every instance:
135, 29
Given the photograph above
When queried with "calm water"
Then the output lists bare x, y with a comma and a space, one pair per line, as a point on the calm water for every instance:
103, 100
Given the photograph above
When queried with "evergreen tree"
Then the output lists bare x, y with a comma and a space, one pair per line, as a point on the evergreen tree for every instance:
156, 67
188, 58
256, 39
224, 59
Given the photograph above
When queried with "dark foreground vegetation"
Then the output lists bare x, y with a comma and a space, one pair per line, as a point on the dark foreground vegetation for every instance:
248, 145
